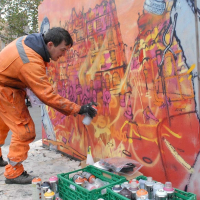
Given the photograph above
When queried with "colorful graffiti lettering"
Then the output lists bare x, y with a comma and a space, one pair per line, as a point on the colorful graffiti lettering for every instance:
142, 70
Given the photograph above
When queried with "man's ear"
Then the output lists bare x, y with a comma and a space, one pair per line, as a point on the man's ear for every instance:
50, 44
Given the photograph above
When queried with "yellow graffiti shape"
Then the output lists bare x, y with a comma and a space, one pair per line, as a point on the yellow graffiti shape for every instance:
178, 157
120, 135
145, 138
181, 79
188, 72
190, 77
191, 69
172, 133
132, 130
102, 126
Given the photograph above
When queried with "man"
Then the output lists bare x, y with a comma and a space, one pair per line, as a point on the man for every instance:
22, 66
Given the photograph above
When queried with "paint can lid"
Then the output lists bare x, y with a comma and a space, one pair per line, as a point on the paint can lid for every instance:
53, 179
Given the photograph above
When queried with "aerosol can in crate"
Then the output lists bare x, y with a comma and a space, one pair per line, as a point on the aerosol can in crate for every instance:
170, 190
90, 177
149, 187
133, 188
157, 186
161, 195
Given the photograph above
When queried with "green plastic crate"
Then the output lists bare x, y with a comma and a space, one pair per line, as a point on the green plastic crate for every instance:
184, 195
68, 190
115, 196
179, 195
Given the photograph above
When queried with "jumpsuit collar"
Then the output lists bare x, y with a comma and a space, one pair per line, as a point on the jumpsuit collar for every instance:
36, 42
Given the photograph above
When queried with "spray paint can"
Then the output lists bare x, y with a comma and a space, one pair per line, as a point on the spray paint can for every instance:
54, 185
87, 119
117, 188
161, 195
125, 185
142, 198
136, 181
156, 187
89, 186
44, 188
90, 177
78, 179
126, 193
149, 187
141, 193
36, 188
170, 190
49, 195
133, 189
141, 183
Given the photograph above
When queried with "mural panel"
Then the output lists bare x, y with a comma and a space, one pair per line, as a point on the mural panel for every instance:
138, 60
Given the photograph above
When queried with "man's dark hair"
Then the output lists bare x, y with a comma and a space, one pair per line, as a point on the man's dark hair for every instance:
57, 35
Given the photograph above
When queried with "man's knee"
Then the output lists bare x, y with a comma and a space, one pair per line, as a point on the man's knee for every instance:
27, 132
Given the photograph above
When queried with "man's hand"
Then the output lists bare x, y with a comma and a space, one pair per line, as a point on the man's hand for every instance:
88, 109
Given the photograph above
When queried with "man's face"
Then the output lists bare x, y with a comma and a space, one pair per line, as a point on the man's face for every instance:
59, 51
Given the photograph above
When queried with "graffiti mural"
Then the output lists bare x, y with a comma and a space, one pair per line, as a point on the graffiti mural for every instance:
139, 61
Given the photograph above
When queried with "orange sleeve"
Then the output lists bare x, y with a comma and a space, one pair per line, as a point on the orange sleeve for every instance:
34, 76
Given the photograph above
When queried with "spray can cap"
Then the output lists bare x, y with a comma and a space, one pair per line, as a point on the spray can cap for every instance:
168, 186
161, 193
45, 184
53, 179
158, 185
141, 192
149, 179
49, 193
36, 180
134, 184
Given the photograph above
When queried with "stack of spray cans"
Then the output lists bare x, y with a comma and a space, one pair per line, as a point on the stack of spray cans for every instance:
88, 181
145, 190
47, 190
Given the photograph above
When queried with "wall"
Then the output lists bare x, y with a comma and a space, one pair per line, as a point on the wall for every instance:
139, 61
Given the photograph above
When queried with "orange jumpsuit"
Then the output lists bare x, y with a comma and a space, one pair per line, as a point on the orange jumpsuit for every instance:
21, 67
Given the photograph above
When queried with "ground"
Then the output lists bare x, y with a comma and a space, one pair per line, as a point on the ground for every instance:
41, 162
